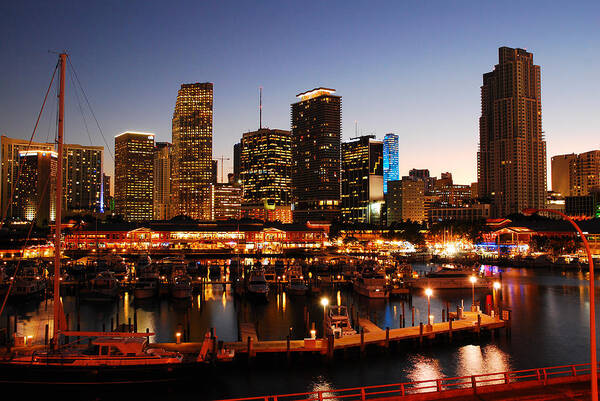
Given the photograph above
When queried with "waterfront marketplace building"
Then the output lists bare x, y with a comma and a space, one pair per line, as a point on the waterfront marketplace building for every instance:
194, 237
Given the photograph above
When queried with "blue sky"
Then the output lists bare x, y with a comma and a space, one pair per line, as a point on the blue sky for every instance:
413, 68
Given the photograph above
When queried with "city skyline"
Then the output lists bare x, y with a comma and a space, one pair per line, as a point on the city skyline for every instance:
383, 91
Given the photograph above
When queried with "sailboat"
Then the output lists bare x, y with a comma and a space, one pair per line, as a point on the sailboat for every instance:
107, 357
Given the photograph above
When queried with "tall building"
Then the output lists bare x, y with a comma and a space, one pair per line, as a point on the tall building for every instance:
512, 150
585, 173
226, 202
316, 138
82, 177
391, 165
405, 200
237, 161
134, 177
192, 150
561, 167
362, 180
265, 169
34, 192
162, 181
10, 148
423, 175
107, 194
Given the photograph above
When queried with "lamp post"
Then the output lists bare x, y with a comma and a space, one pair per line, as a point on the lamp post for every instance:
593, 360
497, 286
428, 292
324, 302
473, 279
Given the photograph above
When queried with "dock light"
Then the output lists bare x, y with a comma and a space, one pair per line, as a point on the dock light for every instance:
313, 334
324, 301
429, 293
473, 279
178, 337
496, 285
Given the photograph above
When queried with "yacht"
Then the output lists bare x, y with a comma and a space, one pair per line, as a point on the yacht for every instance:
257, 283
337, 322
371, 283
103, 287
146, 284
297, 286
451, 278
180, 285
29, 283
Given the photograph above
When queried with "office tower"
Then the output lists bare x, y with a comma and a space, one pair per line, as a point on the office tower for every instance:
474, 190
423, 175
316, 136
561, 167
134, 177
192, 150
226, 202
405, 200
585, 173
35, 187
108, 202
237, 156
512, 150
391, 166
162, 181
214, 168
265, 170
362, 180
82, 177
10, 149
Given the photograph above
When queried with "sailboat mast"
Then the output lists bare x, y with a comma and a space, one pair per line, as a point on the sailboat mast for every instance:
58, 199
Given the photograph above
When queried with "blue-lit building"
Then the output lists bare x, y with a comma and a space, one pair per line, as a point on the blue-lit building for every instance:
391, 169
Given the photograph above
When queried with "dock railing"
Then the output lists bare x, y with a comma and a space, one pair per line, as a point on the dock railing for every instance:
539, 376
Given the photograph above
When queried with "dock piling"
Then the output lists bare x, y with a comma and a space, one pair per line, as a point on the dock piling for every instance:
413, 316
362, 341
420, 333
387, 337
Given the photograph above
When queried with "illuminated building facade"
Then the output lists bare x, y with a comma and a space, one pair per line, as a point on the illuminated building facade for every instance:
237, 161
192, 151
227, 201
512, 150
134, 177
10, 148
391, 164
576, 174
405, 200
82, 177
362, 180
162, 181
265, 170
34, 193
316, 139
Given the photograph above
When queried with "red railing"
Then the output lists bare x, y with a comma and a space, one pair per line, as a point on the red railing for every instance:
540, 375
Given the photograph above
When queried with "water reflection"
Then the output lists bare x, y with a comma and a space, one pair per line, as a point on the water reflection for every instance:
424, 368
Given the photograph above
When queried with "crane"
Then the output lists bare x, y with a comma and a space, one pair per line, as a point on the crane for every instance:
222, 158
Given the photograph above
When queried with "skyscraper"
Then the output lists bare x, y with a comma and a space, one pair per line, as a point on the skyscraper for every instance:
134, 177
316, 138
226, 201
192, 150
34, 190
561, 167
82, 177
162, 180
512, 150
405, 200
576, 174
362, 180
391, 166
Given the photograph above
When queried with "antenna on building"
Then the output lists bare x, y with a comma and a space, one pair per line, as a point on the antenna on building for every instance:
355, 129
260, 108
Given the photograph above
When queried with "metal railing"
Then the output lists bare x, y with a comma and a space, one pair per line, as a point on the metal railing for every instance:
539, 375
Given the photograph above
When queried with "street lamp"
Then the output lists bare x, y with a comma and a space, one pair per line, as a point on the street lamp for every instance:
473, 279
324, 302
593, 362
428, 292
496, 287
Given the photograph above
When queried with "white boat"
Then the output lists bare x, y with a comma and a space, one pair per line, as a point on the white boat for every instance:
451, 278
257, 283
337, 322
29, 283
371, 283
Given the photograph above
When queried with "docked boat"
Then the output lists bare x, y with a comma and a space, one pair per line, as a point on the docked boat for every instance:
371, 283
337, 322
146, 284
214, 270
29, 283
451, 278
103, 287
297, 286
180, 285
257, 283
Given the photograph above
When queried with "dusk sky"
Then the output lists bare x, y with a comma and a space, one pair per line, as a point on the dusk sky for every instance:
412, 68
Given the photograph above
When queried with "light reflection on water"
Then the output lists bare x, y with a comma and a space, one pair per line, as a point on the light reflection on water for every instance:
550, 327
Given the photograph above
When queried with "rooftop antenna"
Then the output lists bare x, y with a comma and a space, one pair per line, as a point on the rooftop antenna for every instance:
260, 108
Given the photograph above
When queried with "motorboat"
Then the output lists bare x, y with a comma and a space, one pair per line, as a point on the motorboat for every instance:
214, 270
29, 283
451, 278
337, 322
180, 285
297, 286
371, 283
257, 283
146, 284
103, 287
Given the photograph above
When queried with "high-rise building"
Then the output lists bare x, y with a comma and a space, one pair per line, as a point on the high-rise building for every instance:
316, 138
585, 173
391, 166
34, 192
237, 160
214, 172
107, 196
134, 176
10, 167
265, 169
162, 181
512, 150
82, 177
423, 175
192, 150
227, 200
362, 180
561, 167
405, 200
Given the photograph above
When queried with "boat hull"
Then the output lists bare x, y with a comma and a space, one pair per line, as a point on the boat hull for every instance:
370, 292
450, 283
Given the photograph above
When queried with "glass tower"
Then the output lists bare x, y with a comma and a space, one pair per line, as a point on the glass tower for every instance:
391, 170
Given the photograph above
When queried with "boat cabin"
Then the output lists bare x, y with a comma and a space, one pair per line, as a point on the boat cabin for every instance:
120, 346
